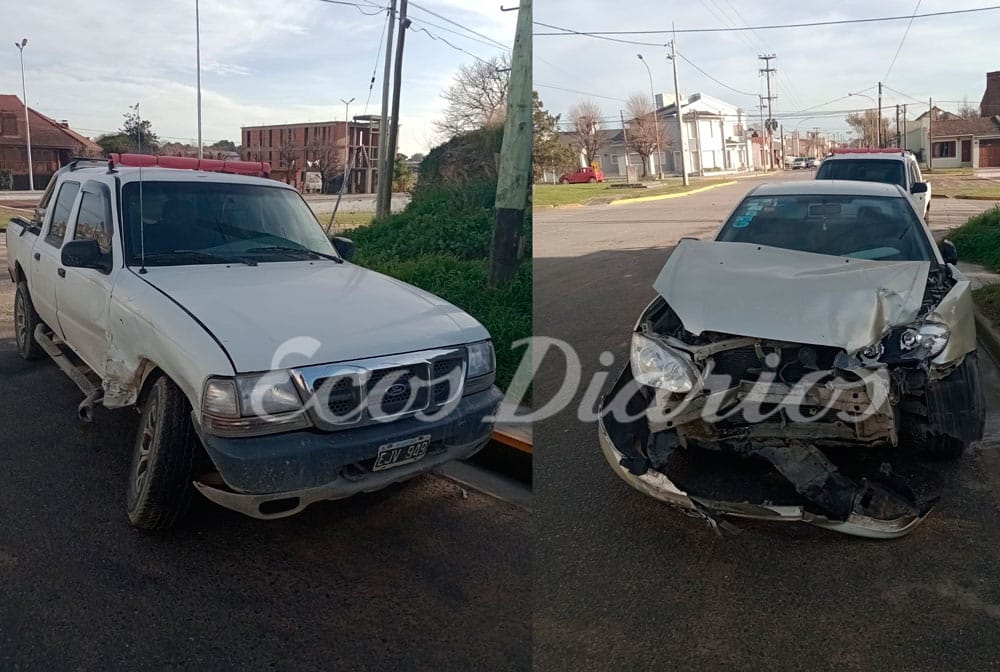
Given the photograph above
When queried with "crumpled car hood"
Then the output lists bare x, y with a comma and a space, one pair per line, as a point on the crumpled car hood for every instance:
753, 290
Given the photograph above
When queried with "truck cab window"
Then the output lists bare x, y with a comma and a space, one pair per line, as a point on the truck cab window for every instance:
94, 220
60, 213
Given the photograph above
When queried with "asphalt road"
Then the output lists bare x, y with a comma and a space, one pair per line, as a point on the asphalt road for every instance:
426, 575
624, 582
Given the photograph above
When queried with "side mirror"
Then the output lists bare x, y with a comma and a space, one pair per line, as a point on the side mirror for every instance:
948, 252
344, 247
39, 215
919, 188
85, 254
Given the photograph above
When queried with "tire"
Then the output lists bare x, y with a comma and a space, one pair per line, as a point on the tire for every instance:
26, 320
592, 180
563, 181
961, 409
160, 484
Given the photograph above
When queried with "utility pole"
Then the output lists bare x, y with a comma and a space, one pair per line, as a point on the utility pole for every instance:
514, 174
930, 134
27, 124
899, 142
767, 71
197, 58
397, 81
680, 112
763, 130
904, 125
782, 147
878, 120
381, 208
625, 134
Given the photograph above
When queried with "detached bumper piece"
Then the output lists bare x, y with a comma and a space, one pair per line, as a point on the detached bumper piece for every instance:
280, 475
789, 481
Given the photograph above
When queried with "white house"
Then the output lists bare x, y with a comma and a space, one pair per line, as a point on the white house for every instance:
716, 135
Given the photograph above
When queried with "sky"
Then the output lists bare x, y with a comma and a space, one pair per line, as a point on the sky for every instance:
942, 57
263, 61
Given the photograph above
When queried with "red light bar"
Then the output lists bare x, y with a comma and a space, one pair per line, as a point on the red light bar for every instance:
868, 150
257, 168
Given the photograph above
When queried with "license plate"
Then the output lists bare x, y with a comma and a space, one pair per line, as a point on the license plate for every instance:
402, 452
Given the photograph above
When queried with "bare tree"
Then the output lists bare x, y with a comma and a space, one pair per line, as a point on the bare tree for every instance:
645, 135
586, 119
327, 159
966, 110
866, 125
477, 98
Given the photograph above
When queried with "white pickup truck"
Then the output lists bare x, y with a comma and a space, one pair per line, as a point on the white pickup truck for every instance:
269, 371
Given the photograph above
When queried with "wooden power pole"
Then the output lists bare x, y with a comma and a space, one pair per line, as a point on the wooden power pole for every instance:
514, 179
381, 209
389, 160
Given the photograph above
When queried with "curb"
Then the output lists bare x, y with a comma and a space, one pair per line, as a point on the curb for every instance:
976, 198
661, 197
987, 334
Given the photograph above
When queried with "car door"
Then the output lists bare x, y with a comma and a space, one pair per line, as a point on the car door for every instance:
45, 260
84, 294
919, 200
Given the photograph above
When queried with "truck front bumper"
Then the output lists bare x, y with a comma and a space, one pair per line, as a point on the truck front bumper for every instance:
280, 475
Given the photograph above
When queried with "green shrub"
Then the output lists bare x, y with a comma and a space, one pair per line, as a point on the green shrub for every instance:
6, 180
978, 240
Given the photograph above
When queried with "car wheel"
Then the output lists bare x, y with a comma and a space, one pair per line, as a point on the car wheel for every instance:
962, 408
26, 320
564, 181
592, 180
163, 460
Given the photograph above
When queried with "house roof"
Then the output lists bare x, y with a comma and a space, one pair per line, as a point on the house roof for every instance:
701, 103
45, 132
607, 136
973, 126
939, 115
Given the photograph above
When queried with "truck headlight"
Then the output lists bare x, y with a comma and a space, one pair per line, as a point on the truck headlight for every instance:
482, 359
657, 365
252, 405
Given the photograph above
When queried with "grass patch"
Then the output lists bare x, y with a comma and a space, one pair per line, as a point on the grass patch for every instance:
598, 194
7, 214
948, 171
440, 243
987, 300
347, 220
978, 240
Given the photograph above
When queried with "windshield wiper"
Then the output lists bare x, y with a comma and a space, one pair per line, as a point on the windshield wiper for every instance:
295, 250
210, 256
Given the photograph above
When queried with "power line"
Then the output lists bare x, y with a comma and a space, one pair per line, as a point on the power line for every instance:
900, 47
463, 27
378, 54
453, 46
693, 65
603, 33
358, 7
582, 93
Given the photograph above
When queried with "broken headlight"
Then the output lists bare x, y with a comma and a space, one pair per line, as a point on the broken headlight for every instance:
930, 337
656, 365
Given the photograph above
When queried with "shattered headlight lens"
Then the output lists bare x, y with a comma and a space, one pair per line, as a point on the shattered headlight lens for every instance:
931, 337
657, 365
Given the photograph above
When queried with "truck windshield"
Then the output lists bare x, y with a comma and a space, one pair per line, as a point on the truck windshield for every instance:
861, 227
216, 222
865, 170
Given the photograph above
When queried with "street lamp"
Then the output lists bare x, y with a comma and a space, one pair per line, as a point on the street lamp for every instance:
878, 122
656, 121
27, 124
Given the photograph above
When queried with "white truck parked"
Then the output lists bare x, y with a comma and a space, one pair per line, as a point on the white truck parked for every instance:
269, 371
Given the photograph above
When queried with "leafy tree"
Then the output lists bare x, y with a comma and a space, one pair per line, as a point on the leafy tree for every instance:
548, 150
403, 179
114, 143
586, 119
477, 98
140, 131
223, 146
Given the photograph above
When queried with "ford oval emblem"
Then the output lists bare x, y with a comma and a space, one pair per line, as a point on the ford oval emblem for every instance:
397, 389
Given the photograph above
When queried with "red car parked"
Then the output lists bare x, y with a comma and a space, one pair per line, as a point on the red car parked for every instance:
587, 174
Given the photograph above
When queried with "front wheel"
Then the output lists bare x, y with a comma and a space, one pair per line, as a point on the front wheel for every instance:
592, 180
26, 320
564, 181
161, 477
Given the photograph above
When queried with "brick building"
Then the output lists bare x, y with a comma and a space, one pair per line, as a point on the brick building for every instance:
294, 149
53, 143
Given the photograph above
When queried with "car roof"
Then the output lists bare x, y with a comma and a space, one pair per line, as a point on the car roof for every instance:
872, 156
829, 188
156, 174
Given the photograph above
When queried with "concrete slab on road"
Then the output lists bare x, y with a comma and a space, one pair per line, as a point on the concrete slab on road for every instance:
645, 587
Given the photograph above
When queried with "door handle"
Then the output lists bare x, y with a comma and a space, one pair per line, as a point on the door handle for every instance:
37, 256
61, 272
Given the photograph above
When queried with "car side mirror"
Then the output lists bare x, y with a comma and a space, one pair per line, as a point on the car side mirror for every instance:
344, 247
948, 252
39, 215
919, 188
85, 254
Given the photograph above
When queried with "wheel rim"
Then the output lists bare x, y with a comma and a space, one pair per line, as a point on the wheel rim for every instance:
20, 321
145, 440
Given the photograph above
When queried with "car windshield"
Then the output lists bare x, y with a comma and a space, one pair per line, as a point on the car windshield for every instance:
217, 222
865, 170
861, 227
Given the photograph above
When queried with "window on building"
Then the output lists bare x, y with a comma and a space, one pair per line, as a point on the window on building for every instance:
270, 137
944, 150
8, 123
60, 213
93, 222
305, 131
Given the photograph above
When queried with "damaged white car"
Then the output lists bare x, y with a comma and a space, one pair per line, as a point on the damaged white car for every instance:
806, 365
